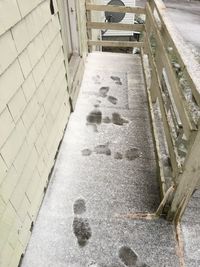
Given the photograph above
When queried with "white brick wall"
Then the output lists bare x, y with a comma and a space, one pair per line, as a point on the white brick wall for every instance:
29, 87
5, 225
13, 143
25, 63
17, 104
22, 156
10, 81
9, 14
8, 52
19, 30
2, 206
34, 109
27, 6
8, 184
3, 171
6, 125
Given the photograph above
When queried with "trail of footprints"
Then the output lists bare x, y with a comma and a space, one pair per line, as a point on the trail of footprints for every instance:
81, 226
94, 118
130, 258
103, 91
83, 233
116, 79
130, 154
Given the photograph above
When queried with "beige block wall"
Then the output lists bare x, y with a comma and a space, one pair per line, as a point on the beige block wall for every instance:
34, 110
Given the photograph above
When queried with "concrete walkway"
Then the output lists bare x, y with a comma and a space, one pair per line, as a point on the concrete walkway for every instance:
190, 226
104, 176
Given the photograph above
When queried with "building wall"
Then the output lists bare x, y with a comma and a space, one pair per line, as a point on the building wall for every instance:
75, 67
34, 110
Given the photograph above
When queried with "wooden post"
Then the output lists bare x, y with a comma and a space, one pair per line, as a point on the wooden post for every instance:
187, 182
187, 176
152, 4
88, 19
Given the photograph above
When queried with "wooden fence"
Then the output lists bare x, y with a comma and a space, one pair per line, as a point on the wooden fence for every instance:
114, 26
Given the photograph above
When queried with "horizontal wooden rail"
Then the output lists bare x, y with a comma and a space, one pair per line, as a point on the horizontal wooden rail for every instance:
186, 60
116, 9
115, 26
147, 76
166, 89
158, 91
188, 124
115, 43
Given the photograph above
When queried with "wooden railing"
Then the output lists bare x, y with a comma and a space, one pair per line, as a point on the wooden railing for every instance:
114, 26
173, 87
174, 93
